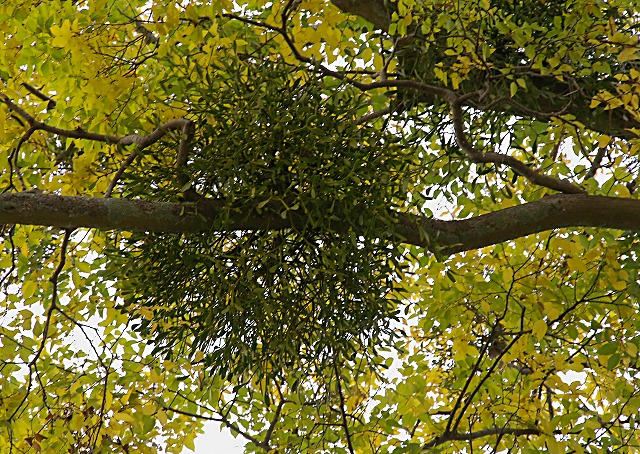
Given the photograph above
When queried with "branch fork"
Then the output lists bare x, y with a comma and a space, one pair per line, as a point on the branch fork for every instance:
187, 128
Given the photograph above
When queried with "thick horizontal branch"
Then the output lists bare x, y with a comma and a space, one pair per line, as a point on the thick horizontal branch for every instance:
563, 210
551, 212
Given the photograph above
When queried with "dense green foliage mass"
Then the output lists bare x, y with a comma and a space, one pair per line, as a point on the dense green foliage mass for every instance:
258, 300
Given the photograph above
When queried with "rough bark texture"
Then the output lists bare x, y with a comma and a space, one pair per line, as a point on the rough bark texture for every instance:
562, 210
373, 11
575, 210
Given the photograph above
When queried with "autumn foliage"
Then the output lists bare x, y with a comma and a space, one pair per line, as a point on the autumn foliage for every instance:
330, 226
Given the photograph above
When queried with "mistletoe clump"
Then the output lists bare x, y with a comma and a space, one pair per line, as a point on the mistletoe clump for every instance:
269, 143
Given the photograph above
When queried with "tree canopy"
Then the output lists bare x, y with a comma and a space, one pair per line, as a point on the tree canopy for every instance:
331, 226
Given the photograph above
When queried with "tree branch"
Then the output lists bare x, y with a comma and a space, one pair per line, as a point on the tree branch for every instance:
47, 323
455, 100
188, 130
433, 90
223, 420
516, 165
79, 133
469, 436
448, 237
274, 421
343, 411
373, 115
374, 11
70, 133
142, 142
596, 164
51, 103
614, 122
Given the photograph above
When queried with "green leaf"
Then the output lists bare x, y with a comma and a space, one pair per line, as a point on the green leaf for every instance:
609, 348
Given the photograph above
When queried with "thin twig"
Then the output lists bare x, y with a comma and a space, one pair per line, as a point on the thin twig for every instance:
597, 163
45, 332
472, 373
126, 163
493, 366
445, 93
376, 114
345, 424
188, 130
222, 419
13, 159
12, 268
469, 436
54, 293
537, 113
274, 420
451, 97
77, 133
51, 103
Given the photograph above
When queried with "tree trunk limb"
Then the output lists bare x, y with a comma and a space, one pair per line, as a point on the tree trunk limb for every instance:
448, 237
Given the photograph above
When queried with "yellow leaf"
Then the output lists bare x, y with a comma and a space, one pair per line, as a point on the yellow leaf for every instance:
628, 53
189, 441
615, 281
172, 17
125, 417
455, 81
162, 416
619, 285
539, 329
77, 421
367, 55
603, 140
149, 409
108, 400
591, 255
63, 34
621, 190
507, 274
575, 264
29, 288
552, 445
552, 312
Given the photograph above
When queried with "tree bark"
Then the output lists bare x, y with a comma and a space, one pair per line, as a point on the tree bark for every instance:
374, 11
447, 237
